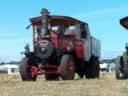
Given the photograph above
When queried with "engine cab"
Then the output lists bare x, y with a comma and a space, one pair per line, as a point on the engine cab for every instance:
65, 33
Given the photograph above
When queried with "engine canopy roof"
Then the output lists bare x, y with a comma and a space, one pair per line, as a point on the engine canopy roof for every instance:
124, 22
56, 20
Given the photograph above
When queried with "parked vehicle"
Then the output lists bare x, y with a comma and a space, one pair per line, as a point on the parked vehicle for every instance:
62, 46
122, 61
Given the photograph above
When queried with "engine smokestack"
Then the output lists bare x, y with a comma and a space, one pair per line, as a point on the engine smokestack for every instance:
44, 19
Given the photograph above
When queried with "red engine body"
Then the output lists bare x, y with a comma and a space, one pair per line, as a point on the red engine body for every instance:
67, 41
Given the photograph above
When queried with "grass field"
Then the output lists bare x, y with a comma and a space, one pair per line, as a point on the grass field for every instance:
106, 86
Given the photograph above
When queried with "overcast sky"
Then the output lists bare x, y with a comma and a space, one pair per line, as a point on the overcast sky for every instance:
101, 15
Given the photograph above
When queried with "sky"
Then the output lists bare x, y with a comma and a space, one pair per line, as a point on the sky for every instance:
102, 16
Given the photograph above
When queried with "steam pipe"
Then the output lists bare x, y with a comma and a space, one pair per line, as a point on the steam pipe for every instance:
44, 19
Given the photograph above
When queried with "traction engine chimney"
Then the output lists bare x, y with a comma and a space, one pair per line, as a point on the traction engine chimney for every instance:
44, 20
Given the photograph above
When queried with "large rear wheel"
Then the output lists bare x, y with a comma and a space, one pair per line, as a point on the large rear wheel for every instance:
80, 68
67, 67
92, 68
125, 65
25, 70
118, 71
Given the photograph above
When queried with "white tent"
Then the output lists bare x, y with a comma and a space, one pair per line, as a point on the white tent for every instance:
107, 67
104, 65
104, 68
9, 69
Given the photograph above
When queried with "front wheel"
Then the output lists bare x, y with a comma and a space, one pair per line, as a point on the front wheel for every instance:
67, 67
25, 70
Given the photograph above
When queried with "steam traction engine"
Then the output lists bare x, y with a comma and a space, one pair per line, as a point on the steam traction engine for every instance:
122, 61
62, 46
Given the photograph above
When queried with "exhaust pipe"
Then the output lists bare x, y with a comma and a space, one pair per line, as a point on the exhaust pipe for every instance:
44, 19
